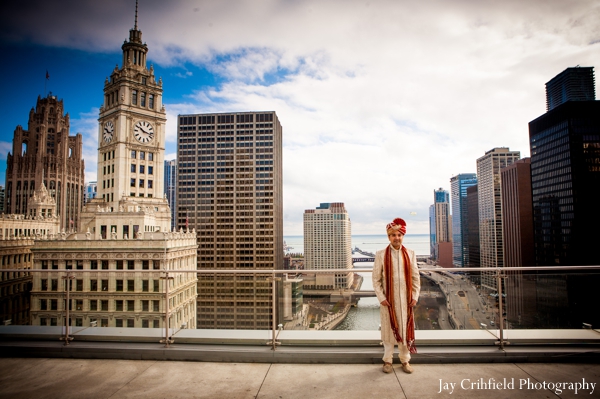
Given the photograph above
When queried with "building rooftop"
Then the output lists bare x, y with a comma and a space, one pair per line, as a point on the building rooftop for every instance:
109, 378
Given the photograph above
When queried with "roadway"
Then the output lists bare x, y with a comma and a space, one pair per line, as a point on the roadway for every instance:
465, 304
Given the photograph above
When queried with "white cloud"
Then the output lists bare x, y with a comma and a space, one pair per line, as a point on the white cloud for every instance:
381, 101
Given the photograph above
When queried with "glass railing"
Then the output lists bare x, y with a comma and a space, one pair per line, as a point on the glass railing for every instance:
287, 306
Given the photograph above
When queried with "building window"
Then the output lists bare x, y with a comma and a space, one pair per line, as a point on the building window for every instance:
130, 265
145, 306
132, 183
119, 305
104, 285
145, 285
151, 101
130, 323
134, 97
130, 285
131, 305
142, 155
132, 168
155, 323
93, 285
118, 322
156, 306
150, 168
141, 168
141, 184
119, 285
43, 304
142, 99
133, 154
149, 183
145, 265
144, 323
150, 156
120, 263
93, 305
94, 265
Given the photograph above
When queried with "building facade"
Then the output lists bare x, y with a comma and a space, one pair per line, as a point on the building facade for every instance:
565, 174
440, 223
517, 222
229, 188
328, 245
460, 227
119, 262
572, 84
91, 191
17, 235
44, 152
171, 188
490, 210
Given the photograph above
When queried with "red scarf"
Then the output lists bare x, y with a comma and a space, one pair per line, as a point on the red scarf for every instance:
389, 296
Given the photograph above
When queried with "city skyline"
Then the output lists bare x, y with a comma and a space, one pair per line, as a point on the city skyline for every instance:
370, 94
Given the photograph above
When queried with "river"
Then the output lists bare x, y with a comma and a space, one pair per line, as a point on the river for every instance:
365, 316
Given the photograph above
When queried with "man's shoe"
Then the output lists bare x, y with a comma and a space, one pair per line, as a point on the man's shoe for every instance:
407, 368
387, 368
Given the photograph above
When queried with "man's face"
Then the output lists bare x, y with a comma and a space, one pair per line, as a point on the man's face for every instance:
396, 239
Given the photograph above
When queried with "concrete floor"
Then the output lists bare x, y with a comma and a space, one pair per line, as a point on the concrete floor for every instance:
105, 378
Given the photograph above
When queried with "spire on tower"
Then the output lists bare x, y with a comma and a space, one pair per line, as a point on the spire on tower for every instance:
136, 8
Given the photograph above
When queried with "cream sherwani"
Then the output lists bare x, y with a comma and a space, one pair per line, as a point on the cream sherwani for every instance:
400, 304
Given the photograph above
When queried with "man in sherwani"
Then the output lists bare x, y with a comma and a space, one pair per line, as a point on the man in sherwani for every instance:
397, 284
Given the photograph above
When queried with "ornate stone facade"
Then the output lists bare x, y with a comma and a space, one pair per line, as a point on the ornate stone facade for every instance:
45, 152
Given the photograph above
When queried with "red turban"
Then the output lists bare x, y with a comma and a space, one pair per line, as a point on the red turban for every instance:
396, 225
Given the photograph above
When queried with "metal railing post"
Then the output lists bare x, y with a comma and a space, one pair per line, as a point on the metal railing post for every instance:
501, 342
274, 333
67, 337
167, 341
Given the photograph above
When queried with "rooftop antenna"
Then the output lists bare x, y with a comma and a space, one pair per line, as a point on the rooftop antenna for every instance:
135, 23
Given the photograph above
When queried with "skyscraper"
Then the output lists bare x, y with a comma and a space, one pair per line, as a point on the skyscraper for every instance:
517, 228
229, 188
460, 228
490, 210
572, 84
565, 176
441, 223
45, 152
328, 244
171, 188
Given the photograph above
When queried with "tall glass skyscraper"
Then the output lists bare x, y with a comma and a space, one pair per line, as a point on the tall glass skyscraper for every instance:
460, 230
171, 188
565, 176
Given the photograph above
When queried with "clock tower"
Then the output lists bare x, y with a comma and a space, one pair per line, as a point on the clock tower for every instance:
131, 144
131, 132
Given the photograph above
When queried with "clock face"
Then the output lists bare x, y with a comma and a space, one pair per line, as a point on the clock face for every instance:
108, 131
143, 132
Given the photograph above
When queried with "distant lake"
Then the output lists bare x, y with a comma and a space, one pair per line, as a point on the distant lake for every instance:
370, 243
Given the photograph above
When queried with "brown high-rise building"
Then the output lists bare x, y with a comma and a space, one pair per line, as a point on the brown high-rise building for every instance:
229, 188
517, 222
45, 151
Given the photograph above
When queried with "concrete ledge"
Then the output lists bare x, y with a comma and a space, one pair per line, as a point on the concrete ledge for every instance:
295, 354
369, 338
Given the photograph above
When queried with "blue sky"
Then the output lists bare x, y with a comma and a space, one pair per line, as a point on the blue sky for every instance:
381, 102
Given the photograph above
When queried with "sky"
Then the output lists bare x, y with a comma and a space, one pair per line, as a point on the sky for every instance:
381, 102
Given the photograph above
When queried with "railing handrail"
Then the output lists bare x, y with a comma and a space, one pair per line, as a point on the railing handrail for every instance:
297, 271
